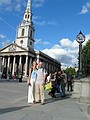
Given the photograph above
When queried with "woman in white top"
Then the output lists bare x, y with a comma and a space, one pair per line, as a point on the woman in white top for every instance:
31, 83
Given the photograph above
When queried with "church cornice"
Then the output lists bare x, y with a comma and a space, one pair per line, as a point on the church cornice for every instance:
26, 37
31, 25
12, 44
19, 53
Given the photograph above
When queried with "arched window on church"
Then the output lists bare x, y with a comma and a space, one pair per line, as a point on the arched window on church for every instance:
30, 43
31, 34
25, 16
23, 32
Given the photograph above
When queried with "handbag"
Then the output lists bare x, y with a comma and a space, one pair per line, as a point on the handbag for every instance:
48, 86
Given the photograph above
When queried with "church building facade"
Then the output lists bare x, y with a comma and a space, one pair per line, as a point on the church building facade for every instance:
17, 57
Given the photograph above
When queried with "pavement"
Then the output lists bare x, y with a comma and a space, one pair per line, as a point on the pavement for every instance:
14, 106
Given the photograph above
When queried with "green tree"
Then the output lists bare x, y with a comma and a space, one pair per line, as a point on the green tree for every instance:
86, 59
71, 70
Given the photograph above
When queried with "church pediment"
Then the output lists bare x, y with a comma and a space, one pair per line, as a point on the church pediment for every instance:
13, 48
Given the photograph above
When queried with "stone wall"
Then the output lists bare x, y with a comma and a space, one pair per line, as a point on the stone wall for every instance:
81, 90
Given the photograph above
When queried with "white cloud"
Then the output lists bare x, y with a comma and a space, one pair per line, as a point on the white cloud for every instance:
65, 42
11, 6
18, 7
85, 8
5, 2
42, 23
38, 3
39, 21
5, 43
36, 17
66, 52
2, 36
87, 37
39, 41
53, 22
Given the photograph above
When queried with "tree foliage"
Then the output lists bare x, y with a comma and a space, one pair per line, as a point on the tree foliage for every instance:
86, 59
71, 70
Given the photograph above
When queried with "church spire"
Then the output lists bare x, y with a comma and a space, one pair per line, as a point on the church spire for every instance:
29, 6
28, 12
25, 34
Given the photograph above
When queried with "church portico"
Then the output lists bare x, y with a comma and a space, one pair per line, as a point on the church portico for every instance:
16, 64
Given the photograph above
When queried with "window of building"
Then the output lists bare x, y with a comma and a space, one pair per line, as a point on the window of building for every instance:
21, 41
28, 16
30, 43
23, 32
25, 16
31, 34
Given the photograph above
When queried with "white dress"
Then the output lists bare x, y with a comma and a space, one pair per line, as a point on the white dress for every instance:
31, 88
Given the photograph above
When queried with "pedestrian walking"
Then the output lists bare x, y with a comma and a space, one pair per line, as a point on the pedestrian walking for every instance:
69, 82
60, 82
31, 82
54, 85
39, 85
64, 77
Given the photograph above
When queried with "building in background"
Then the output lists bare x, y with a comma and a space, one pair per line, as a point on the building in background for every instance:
17, 57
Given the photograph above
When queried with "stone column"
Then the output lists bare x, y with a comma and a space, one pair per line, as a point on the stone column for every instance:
8, 65
20, 65
48, 68
0, 64
0, 67
51, 68
13, 66
37, 59
3, 63
30, 62
20, 61
43, 64
26, 65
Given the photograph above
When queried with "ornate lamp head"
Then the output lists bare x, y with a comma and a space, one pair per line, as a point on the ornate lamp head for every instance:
80, 37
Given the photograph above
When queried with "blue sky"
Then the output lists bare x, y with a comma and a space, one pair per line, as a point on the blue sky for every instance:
57, 23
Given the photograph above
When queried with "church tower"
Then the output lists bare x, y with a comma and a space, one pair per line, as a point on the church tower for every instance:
25, 33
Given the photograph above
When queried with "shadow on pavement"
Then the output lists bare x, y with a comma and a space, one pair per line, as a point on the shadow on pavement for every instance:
50, 100
11, 109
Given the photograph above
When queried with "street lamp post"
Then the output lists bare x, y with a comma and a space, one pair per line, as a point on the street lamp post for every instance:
80, 38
